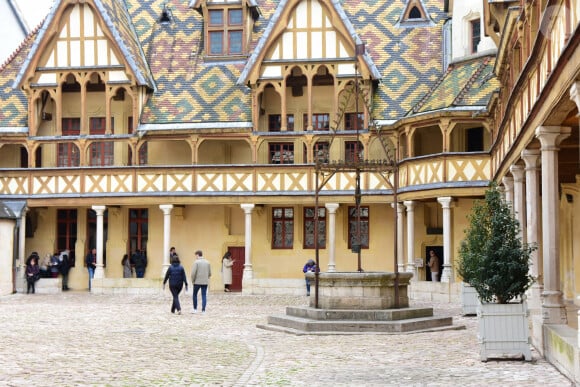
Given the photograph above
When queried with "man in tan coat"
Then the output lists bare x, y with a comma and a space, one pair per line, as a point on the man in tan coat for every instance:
200, 275
434, 265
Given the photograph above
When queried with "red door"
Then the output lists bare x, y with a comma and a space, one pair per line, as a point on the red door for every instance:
239, 257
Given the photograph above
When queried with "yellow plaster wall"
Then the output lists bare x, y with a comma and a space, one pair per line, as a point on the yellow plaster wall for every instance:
169, 153
10, 156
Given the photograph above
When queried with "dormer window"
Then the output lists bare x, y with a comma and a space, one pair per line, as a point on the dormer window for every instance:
225, 31
414, 15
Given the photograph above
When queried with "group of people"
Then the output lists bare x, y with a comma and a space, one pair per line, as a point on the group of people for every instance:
51, 267
200, 276
137, 263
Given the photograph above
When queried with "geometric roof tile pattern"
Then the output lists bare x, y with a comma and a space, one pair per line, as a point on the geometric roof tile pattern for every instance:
466, 83
188, 88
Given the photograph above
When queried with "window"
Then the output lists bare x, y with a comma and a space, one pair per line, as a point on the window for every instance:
350, 121
281, 153
138, 229
225, 31
475, 34
282, 227
309, 222
92, 231
353, 229
101, 153
320, 121
321, 152
66, 232
275, 122
350, 151
415, 13
68, 153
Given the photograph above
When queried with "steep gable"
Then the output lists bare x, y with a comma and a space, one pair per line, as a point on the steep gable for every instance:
101, 30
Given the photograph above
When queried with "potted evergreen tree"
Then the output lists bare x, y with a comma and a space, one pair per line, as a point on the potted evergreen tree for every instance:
495, 262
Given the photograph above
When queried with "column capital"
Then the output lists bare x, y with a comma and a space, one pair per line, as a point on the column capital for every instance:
247, 207
517, 172
166, 208
551, 136
400, 207
410, 204
100, 210
445, 201
575, 94
508, 182
331, 207
530, 157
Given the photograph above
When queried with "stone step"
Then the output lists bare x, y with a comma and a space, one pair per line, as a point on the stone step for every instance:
359, 326
360, 315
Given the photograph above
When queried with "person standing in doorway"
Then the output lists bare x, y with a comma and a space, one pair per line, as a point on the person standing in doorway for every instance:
91, 262
434, 266
227, 264
200, 275
172, 253
176, 276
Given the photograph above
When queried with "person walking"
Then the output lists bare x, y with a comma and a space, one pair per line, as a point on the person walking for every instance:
64, 268
310, 266
227, 264
200, 275
91, 262
32, 275
176, 276
127, 269
433, 265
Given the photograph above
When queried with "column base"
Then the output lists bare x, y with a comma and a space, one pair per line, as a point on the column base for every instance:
412, 269
248, 272
99, 272
331, 268
553, 309
447, 275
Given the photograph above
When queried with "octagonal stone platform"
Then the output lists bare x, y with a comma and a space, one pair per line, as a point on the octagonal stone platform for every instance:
358, 302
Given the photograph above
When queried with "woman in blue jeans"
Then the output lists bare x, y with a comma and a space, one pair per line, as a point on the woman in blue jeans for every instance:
176, 276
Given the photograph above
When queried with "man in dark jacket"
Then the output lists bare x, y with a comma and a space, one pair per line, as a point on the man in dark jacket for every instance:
176, 276
139, 260
64, 267
91, 262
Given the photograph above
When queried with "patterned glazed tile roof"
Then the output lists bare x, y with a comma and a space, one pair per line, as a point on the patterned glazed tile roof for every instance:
189, 89
13, 102
467, 83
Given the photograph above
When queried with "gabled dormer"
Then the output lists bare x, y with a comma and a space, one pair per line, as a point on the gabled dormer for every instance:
415, 15
227, 26
85, 63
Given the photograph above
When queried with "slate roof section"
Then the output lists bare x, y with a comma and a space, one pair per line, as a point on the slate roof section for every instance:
467, 83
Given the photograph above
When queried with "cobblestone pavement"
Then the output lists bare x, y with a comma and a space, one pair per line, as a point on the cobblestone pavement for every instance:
77, 338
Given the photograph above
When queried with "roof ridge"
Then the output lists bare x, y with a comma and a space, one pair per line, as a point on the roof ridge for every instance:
23, 44
471, 80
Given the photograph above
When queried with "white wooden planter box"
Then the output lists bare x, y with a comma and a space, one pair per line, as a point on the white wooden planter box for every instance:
504, 330
469, 299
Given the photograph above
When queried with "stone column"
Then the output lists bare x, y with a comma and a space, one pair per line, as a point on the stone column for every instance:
400, 251
553, 310
22, 241
411, 238
519, 192
508, 183
331, 208
248, 271
447, 273
99, 270
166, 208
530, 157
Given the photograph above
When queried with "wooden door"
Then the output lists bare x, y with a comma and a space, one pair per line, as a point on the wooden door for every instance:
239, 257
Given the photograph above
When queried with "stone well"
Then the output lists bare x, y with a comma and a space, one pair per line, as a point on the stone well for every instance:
359, 290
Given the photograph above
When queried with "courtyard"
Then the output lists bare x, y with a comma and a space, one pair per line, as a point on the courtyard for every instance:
83, 339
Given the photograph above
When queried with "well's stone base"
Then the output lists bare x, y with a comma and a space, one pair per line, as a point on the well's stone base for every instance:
359, 290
